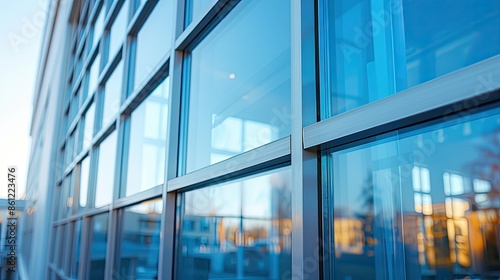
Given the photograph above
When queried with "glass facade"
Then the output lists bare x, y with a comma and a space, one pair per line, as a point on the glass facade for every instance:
270, 139
240, 229
408, 206
147, 141
373, 50
139, 242
237, 83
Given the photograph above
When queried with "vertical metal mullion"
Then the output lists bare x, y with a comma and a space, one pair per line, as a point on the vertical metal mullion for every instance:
306, 246
165, 269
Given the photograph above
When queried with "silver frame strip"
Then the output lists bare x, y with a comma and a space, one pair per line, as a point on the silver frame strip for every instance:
475, 81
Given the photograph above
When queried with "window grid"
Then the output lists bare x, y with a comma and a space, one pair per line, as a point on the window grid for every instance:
172, 66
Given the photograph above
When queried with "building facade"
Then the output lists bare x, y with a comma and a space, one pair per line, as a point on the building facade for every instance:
266, 139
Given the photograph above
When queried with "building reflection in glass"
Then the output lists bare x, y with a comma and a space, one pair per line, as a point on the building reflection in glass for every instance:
418, 204
240, 229
139, 239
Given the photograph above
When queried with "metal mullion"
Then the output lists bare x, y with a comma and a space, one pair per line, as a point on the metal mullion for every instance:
111, 243
259, 158
139, 197
95, 211
175, 63
305, 208
420, 102
153, 79
195, 29
140, 16
84, 248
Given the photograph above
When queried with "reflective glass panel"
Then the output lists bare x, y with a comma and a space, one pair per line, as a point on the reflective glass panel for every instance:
421, 203
237, 230
117, 32
98, 27
195, 9
373, 49
140, 241
112, 95
84, 183
94, 74
98, 248
153, 43
88, 132
148, 132
239, 85
106, 171
76, 255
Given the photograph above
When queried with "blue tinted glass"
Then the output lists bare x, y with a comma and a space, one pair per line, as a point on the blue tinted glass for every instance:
98, 27
106, 171
140, 241
237, 230
153, 43
373, 49
148, 132
421, 204
117, 32
98, 247
239, 85
76, 253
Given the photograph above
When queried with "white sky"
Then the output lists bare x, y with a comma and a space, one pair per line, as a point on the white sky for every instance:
21, 28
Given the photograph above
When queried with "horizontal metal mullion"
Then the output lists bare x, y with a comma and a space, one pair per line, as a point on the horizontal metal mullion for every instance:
243, 162
141, 16
139, 197
154, 78
192, 32
475, 81
95, 211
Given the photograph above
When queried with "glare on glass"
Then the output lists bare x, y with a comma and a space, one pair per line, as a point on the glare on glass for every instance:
106, 171
88, 131
94, 74
84, 183
417, 204
140, 241
239, 230
112, 95
148, 131
239, 84
372, 49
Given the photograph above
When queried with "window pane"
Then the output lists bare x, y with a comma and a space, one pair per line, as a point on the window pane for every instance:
374, 49
84, 183
112, 95
411, 194
153, 42
76, 254
106, 171
94, 74
98, 248
140, 241
196, 8
117, 32
146, 154
241, 229
239, 87
88, 132
98, 27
